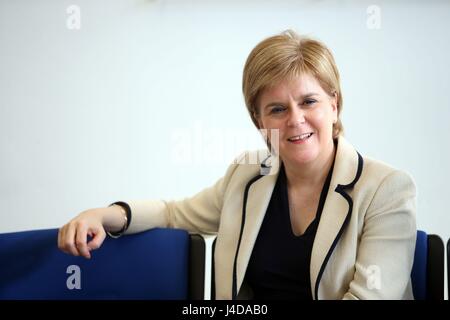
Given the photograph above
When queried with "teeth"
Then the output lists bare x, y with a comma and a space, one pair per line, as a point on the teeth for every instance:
300, 137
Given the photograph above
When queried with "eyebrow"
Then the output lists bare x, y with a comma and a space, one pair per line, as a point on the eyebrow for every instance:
301, 97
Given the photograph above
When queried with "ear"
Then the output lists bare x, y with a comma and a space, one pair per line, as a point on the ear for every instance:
258, 118
334, 105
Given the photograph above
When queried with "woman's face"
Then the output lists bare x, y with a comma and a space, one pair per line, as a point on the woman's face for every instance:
304, 114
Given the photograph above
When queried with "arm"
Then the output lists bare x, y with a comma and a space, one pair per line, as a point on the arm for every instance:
386, 251
200, 213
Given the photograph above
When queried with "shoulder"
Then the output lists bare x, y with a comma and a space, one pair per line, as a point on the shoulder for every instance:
383, 188
379, 173
365, 174
248, 163
252, 157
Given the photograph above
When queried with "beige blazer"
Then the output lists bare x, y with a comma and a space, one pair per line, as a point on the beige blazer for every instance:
365, 241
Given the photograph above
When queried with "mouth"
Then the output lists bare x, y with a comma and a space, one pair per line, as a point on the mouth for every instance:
300, 138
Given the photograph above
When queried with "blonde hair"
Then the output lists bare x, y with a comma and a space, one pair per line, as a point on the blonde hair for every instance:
286, 56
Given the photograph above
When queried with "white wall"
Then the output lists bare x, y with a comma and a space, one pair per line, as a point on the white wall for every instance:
91, 116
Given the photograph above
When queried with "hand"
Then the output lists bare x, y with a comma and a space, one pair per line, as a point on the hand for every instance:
72, 237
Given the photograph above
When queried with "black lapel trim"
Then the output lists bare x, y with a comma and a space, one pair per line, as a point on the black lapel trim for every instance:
341, 189
247, 188
358, 173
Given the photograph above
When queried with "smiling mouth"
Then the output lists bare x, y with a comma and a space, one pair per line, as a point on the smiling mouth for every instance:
302, 137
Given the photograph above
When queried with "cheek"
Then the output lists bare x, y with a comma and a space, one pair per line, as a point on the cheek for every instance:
265, 123
262, 121
271, 129
260, 124
318, 119
323, 119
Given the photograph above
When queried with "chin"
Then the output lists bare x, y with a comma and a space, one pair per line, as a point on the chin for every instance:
301, 157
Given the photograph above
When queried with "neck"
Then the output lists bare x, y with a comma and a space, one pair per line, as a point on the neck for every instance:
310, 174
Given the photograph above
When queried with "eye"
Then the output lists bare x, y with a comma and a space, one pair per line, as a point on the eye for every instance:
277, 109
309, 102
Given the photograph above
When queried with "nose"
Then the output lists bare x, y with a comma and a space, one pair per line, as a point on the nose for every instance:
296, 117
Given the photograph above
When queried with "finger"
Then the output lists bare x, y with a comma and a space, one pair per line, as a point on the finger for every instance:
99, 236
69, 239
81, 241
59, 243
61, 239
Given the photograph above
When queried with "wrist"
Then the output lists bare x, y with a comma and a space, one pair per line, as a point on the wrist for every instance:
120, 219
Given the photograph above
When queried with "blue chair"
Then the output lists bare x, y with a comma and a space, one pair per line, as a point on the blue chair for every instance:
428, 268
162, 264
448, 268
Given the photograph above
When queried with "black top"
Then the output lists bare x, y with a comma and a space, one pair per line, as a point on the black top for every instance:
279, 264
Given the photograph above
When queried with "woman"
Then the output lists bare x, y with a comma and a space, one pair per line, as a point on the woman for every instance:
322, 222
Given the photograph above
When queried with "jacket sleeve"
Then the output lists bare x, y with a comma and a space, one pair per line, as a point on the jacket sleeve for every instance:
197, 214
386, 251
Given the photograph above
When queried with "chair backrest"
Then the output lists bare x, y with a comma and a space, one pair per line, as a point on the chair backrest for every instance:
428, 269
448, 268
151, 265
